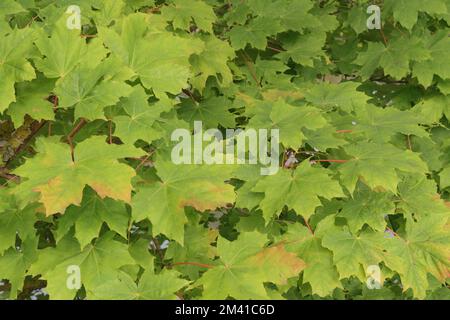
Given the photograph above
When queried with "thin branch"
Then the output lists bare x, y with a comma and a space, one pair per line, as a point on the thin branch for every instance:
250, 68
26, 141
201, 265
110, 132
308, 226
72, 134
275, 49
408, 141
144, 160
344, 131
331, 161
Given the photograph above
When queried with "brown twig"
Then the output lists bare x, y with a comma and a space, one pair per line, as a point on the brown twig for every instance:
110, 132
72, 133
144, 160
332, 161
408, 141
250, 67
189, 94
26, 141
201, 265
275, 49
344, 131
308, 226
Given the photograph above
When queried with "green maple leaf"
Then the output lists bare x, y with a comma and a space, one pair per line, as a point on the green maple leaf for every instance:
89, 217
299, 190
393, 58
15, 221
59, 181
377, 165
197, 247
31, 99
290, 120
212, 62
138, 123
89, 93
380, 125
160, 58
296, 16
419, 197
304, 49
244, 265
211, 111
63, 50
324, 138
353, 254
343, 95
254, 33
438, 64
14, 67
151, 286
320, 271
15, 262
424, 250
163, 202
369, 208
407, 11
184, 11
98, 262
433, 108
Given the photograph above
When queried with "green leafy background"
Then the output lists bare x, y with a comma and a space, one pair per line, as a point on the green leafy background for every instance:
86, 118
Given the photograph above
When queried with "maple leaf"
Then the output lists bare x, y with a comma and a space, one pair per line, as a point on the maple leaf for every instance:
320, 271
343, 95
303, 49
14, 264
406, 11
377, 165
184, 11
392, 58
212, 62
87, 90
63, 50
353, 254
424, 250
163, 202
98, 262
161, 59
138, 123
14, 67
380, 125
151, 286
211, 111
15, 221
254, 33
245, 264
369, 208
299, 190
437, 64
31, 99
419, 197
290, 120
89, 217
59, 181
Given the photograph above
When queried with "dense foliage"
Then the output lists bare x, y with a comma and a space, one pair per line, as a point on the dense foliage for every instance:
87, 180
